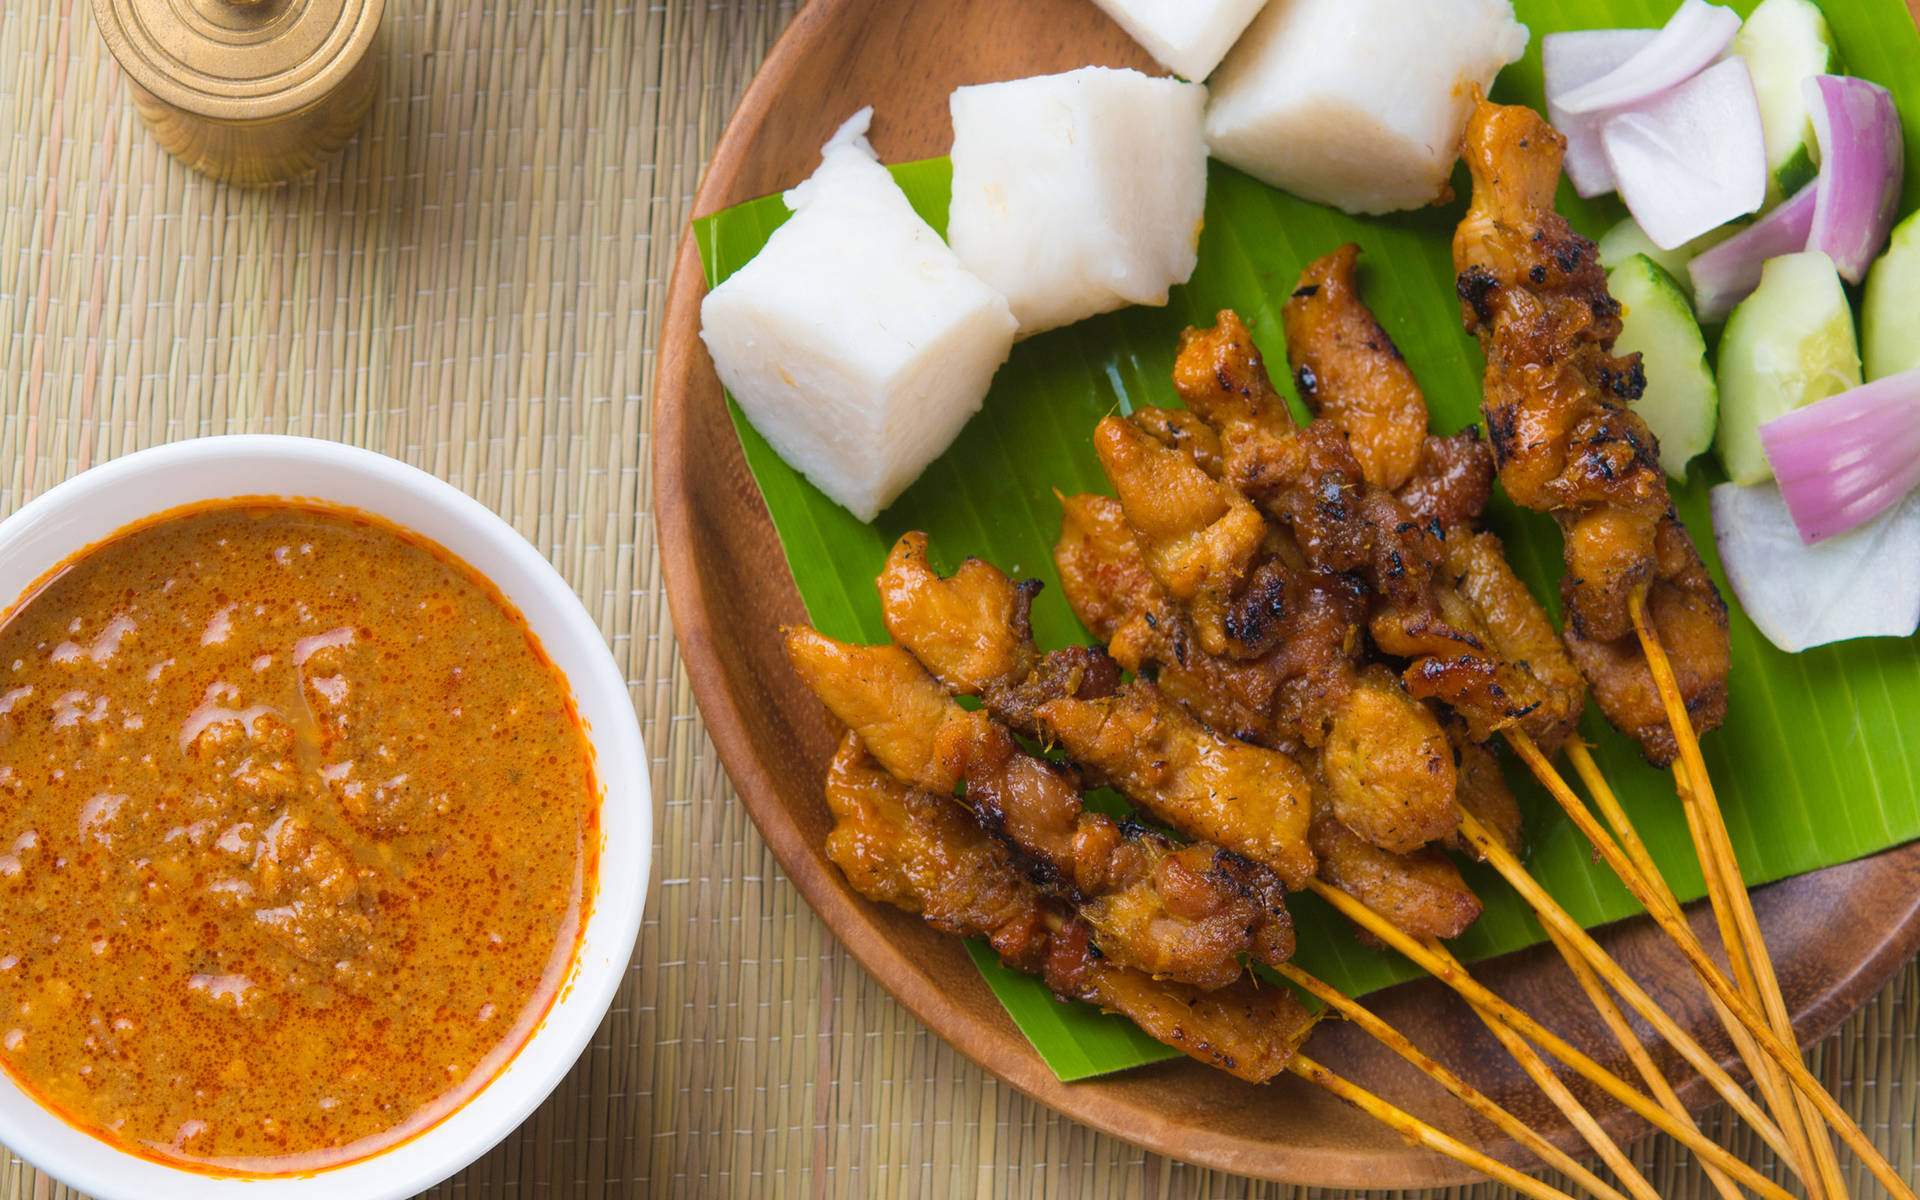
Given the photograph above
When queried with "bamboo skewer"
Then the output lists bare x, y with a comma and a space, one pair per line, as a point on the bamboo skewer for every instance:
1636, 850
1616, 1021
1557, 1091
1466, 1093
1788, 1057
1480, 997
1727, 892
1794, 1112
1649, 886
1416, 1130
1555, 917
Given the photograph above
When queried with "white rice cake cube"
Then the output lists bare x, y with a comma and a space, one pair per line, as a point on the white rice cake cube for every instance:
855, 342
1358, 103
1079, 193
1188, 37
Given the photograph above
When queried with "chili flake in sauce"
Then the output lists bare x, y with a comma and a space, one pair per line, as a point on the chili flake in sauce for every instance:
297, 835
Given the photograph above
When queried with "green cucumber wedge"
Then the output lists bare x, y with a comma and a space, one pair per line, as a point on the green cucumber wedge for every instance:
1785, 41
1627, 239
1682, 403
1785, 346
1890, 313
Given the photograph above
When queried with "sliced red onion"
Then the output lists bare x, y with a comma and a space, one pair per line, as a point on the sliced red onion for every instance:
1693, 158
1570, 61
1862, 157
1693, 37
1848, 458
1727, 274
1866, 584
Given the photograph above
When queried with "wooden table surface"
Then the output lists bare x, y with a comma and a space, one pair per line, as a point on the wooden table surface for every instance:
475, 286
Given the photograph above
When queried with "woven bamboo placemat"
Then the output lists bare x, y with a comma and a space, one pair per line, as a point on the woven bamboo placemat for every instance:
475, 286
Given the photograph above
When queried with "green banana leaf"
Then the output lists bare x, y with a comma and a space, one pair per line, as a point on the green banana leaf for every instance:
1812, 765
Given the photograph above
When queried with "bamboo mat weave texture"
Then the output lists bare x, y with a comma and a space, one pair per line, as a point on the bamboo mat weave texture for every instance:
475, 286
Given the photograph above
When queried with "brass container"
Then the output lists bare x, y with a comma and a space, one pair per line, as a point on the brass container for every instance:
250, 92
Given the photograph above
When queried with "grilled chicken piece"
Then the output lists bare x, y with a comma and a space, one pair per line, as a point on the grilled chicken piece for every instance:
1184, 913
1349, 371
1200, 538
1488, 598
1280, 701
1565, 441
1691, 620
1482, 791
1112, 593
1388, 768
970, 629
1421, 892
1452, 483
1100, 572
1246, 798
1178, 429
921, 852
1307, 480
971, 632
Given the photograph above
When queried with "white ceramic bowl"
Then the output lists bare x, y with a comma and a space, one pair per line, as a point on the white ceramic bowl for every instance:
98, 502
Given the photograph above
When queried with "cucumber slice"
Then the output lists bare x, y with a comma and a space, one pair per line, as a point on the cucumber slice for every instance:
1627, 239
1682, 402
1784, 41
1890, 314
1785, 346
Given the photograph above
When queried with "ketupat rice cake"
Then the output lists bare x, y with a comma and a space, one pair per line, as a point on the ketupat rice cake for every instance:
855, 341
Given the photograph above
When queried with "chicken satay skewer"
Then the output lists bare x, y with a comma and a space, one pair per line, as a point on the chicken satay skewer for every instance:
1523, 1053
970, 631
1436, 961
1726, 888
1131, 778
1135, 764
1557, 409
912, 848
1414, 1129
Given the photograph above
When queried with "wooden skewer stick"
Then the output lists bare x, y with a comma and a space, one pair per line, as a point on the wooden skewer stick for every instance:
1636, 1053
1636, 850
1414, 1129
1557, 1091
1727, 890
1658, 905
1796, 1114
1480, 997
1554, 917
1780, 1097
1376, 1028
1682, 935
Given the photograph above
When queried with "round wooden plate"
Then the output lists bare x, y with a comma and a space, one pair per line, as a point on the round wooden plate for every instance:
1837, 935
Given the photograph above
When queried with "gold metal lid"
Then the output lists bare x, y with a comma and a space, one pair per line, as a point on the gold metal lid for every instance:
239, 60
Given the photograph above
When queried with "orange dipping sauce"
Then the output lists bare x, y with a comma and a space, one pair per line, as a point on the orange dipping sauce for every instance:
297, 837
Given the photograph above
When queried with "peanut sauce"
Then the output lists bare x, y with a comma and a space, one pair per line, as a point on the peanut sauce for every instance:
297, 835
